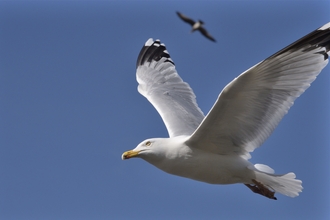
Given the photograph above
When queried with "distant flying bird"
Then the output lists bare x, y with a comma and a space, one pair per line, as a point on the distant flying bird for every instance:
216, 148
196, 26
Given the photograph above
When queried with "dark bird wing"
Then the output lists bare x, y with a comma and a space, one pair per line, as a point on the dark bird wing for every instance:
186, 19
206, 34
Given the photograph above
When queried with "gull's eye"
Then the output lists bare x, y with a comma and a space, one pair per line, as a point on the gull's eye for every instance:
148, 143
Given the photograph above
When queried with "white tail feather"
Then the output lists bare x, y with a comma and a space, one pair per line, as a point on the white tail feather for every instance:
264, 168
285, 184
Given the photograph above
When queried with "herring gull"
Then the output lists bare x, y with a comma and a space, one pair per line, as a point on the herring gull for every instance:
216, 148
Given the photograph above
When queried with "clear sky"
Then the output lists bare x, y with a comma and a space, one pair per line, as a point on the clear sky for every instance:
70, 108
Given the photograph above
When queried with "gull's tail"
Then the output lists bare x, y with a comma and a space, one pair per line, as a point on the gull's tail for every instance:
285, 184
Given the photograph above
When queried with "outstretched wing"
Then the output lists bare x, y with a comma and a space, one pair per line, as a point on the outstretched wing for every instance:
185, 18
160, 83
250, 107
206, 34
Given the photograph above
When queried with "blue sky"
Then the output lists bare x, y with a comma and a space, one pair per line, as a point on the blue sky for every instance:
70, 108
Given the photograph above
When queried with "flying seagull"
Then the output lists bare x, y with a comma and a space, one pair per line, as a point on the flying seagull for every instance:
215, 148
196, 26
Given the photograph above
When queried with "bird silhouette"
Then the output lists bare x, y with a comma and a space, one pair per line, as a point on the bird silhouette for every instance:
196, 25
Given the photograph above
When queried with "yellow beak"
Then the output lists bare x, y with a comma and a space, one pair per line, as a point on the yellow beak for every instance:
129, 154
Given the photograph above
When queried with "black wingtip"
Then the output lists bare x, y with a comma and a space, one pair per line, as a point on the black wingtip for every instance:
316, 39
153, 50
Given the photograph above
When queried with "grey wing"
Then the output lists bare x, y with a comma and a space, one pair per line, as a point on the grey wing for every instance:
250, 107
185, 18
160, 83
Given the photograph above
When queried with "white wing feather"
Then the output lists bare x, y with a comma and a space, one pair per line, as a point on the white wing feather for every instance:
250, 107
160, 83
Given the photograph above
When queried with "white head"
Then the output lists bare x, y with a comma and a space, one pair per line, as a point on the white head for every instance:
154, 150
149, 150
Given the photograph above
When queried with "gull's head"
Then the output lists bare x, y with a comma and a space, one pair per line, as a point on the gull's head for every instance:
159, 151
147, 148
154, 150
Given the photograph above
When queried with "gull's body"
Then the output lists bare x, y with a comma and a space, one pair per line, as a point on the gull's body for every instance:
196, 26
215, 148
219, 167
